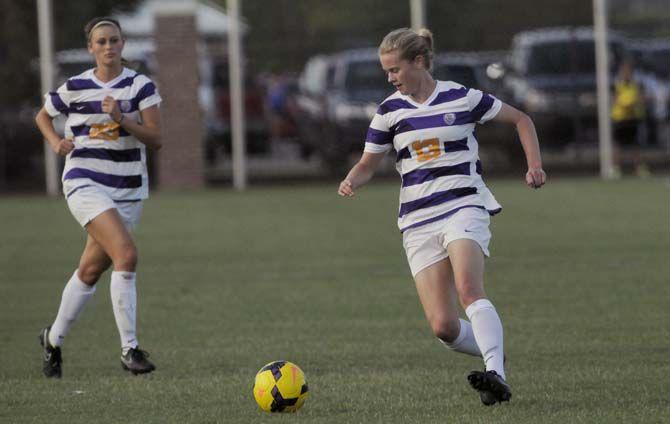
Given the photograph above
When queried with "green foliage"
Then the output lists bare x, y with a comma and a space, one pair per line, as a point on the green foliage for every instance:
230, 281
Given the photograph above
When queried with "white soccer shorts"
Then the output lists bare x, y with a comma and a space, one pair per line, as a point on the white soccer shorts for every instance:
87, 202
427, 244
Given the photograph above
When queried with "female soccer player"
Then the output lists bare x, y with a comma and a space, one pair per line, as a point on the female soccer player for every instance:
444, 204
112, 117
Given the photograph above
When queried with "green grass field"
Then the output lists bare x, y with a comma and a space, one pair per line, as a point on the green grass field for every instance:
228, 282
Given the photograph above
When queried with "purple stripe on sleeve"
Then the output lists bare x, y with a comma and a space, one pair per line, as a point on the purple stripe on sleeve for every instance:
109, 180
129, 155
149, 89
83, 130
484, 106
442, 216
433, 121
449, 96
378, 137
76, 84
393, 105
421, 175
57, 102
435, 199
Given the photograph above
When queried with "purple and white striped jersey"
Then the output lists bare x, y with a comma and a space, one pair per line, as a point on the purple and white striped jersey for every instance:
437, 153
104, 154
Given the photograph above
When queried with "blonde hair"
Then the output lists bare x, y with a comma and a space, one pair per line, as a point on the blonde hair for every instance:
409, 44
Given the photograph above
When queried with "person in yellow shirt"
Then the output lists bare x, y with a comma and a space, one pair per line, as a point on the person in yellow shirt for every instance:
628, 113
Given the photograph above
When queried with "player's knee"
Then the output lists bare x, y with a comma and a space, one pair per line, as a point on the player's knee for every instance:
444, 328
90, 273
126, 258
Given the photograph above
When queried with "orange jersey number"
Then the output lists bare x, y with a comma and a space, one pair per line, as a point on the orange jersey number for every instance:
427, 149
108, 131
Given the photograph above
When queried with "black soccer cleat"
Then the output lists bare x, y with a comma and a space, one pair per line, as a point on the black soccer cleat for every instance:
492, 388
135, 361
51, 356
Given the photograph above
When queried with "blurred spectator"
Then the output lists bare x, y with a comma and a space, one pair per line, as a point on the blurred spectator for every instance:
281, 110
656, 96
628, 114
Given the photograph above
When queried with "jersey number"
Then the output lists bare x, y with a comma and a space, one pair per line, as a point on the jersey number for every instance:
108, 131
426, 149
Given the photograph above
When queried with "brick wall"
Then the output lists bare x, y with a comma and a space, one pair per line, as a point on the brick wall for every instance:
181, 160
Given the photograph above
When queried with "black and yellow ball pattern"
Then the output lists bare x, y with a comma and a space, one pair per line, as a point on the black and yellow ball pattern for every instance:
280, 386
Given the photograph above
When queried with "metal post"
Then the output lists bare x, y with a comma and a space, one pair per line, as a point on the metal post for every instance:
418, 12
45, 29
603, 81
236, 96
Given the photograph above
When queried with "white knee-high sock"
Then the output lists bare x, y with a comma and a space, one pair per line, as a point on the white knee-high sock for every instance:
124, 303
488, 332
465, 342
75, 296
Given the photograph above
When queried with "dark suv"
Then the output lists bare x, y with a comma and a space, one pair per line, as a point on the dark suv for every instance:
338, 98
468, 69
551, 76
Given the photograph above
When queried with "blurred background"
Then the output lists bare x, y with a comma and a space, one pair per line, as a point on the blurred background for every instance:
312, 80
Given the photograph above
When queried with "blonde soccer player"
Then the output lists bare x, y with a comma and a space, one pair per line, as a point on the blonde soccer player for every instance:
445, 207
112, 117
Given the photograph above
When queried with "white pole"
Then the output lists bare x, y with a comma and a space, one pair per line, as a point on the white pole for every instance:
45, 29
236, 96
603, 83
418, 12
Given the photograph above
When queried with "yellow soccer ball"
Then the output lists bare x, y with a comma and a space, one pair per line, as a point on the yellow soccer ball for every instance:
280, 386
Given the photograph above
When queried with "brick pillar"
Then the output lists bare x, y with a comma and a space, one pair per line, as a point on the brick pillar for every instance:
181, 160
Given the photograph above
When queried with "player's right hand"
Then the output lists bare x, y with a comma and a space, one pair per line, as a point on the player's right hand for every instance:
346, 189
64, 146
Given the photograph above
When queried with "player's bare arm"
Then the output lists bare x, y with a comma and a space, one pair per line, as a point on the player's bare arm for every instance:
62, 146
360, 173
535, 177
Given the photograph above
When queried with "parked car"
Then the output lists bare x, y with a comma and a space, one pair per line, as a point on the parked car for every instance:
338, 98
469, 69
218, 121
551, 75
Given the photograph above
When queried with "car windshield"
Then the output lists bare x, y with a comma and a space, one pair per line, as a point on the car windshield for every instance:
461, 74
366, 82
576, 57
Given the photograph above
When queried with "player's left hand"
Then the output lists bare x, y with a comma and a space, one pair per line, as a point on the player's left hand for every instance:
536, 177
346, 189
110, 106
